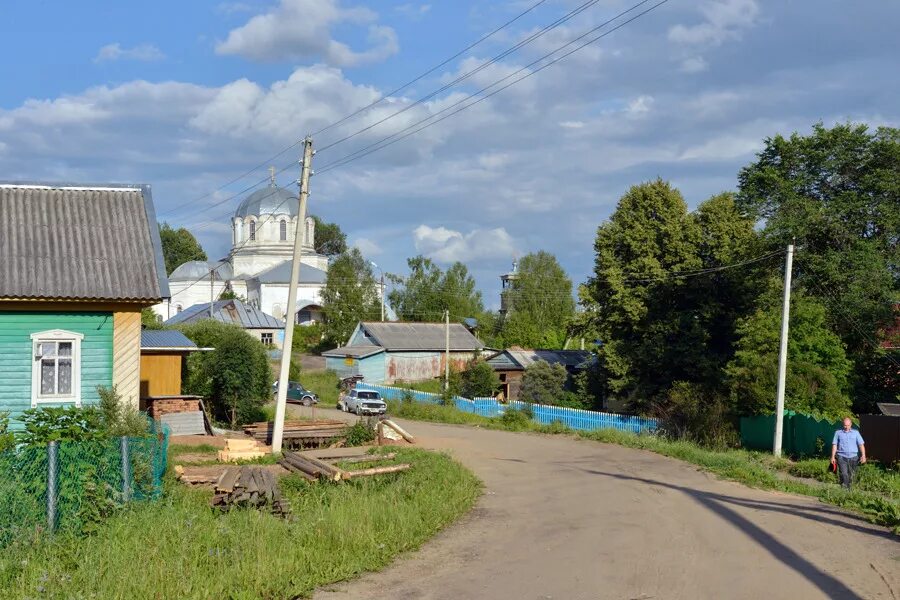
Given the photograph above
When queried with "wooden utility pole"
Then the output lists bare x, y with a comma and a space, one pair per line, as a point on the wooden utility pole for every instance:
289, 318
212, 293
782, 352
447, 349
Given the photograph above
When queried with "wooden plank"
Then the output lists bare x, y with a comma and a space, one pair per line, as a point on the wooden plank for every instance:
378, 470
229, 479
336, 473
294, 469
406, 436
368, 458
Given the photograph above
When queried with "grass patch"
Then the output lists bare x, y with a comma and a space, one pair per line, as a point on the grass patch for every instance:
324, 384
876, 492
179, 548
176, 450
434, 386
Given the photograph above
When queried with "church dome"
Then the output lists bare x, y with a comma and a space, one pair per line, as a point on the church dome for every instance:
199, 269
270, 200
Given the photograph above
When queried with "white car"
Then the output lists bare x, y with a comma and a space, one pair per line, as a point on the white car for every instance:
362, 402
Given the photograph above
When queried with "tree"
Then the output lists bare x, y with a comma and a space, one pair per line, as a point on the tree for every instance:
150, 320
179, 246
541, 304
428, 291
330, 240
479, 380
544, 383
818, 370
350, 295
837, 192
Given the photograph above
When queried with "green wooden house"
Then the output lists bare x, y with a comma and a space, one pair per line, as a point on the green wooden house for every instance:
77, 265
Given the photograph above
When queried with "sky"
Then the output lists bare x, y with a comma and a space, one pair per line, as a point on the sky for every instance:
190, 96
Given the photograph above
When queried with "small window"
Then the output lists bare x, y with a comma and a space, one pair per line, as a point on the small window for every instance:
56, 371
266, 338
252, 231
177, 308
283, 231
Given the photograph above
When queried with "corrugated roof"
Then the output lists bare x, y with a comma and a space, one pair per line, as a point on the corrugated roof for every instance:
889, 408
361, 351
525, 358
420, 336
152, 339
228, 311
80, 242
281, 273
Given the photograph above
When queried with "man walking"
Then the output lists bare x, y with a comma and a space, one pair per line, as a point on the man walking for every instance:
850, 449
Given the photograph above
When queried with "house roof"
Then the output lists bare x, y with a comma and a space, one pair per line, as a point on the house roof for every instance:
80, 242
889, 408
166, 339
228, 311
361, 351
281, 273
519, 358
419, 336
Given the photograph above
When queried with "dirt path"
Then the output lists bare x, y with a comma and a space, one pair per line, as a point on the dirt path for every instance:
567, 519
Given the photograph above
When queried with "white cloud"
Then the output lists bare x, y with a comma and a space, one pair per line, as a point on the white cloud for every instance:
639, 105
447, 246
367, 246
694, 64
144, 52
571, 124
413, 10
725, 19
301, 29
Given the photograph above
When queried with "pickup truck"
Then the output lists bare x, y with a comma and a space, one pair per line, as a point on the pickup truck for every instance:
362, 402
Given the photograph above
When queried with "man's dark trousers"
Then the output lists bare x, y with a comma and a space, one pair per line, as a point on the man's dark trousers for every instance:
847, 469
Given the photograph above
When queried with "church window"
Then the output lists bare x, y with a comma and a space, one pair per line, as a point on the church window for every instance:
252, 231
283, 230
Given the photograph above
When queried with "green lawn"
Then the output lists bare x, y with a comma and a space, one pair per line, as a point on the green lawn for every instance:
178, 548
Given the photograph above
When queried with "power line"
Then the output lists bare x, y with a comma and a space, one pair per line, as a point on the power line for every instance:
688, 274
380, 145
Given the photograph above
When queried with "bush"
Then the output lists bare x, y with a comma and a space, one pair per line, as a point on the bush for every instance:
359, 434
516, 420
120, 419
308, 338
544, 383
7, 440
691, 412
479, 380
61, 424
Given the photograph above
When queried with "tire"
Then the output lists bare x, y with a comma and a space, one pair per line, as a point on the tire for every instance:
307, 401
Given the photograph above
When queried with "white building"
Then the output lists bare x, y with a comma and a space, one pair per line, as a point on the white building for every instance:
258, 267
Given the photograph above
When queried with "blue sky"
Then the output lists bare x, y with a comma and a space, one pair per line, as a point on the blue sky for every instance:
188, 95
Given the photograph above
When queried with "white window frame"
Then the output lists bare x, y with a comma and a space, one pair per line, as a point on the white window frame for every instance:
55, 335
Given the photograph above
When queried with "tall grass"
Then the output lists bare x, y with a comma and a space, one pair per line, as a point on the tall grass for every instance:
324, 384
179, 548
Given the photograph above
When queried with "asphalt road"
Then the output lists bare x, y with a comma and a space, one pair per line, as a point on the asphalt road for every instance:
568, 519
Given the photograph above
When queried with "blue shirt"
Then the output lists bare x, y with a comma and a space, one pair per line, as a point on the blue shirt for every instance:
847, 442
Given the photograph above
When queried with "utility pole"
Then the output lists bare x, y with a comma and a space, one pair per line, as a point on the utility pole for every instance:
284, 373
447, 352
782, 353
382, 296
212, 293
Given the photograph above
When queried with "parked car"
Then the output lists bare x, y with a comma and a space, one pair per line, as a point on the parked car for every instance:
297, 394
362, 402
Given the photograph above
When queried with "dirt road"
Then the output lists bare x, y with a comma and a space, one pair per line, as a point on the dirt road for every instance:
565, 519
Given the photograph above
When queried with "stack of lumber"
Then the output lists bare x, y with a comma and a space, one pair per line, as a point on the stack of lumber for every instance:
315, 469
303, 434
240, 449
249, 487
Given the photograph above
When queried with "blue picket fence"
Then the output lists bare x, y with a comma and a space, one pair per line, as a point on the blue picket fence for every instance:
584, 420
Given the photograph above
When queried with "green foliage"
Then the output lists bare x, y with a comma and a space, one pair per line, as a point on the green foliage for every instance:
516, 420
330, 240
7, 439
150, 320
235, 376
817, 377
479, 380
179, 246
294, 370
350, 295
428, 291
692, 412
836, 192
541, 304
61, 423
308, 338
359, 434
544, 383
120, 419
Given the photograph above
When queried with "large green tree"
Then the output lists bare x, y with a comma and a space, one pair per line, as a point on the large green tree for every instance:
350, 295
428, 291
541, 304
179, 246
330, 239
837, 193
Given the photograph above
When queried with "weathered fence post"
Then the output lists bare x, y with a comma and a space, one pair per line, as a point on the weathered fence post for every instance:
126, 469
52, 484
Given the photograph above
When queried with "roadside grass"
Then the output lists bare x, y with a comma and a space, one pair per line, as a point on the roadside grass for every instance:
434, 386
876, 492
179, 548
324, 384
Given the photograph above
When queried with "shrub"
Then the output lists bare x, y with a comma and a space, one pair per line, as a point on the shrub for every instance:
544, 383
59, 424
478, 380
516, 420
308, 338
692, 412
7, 440
359, 434
120, 419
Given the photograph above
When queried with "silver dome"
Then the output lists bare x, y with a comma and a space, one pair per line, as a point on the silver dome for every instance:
271, 200
199, 269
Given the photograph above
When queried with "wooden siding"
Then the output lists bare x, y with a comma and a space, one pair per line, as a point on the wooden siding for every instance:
160, 375
127, 355
16, 356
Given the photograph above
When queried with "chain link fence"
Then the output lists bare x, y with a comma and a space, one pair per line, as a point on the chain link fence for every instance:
72, 486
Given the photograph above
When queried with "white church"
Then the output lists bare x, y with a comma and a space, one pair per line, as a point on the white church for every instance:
258, 267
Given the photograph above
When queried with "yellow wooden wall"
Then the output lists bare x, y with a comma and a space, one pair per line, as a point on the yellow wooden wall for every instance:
127, 355
160, 375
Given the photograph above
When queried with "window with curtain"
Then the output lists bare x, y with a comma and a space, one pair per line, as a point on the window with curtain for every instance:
56, 374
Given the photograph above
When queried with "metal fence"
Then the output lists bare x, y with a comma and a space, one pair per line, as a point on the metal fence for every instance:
70, 486
584, 420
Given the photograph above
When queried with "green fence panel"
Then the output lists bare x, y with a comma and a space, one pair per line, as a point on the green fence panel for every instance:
801, 435
812, 437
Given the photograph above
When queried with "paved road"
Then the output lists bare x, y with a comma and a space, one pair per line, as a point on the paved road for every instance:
566, 519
